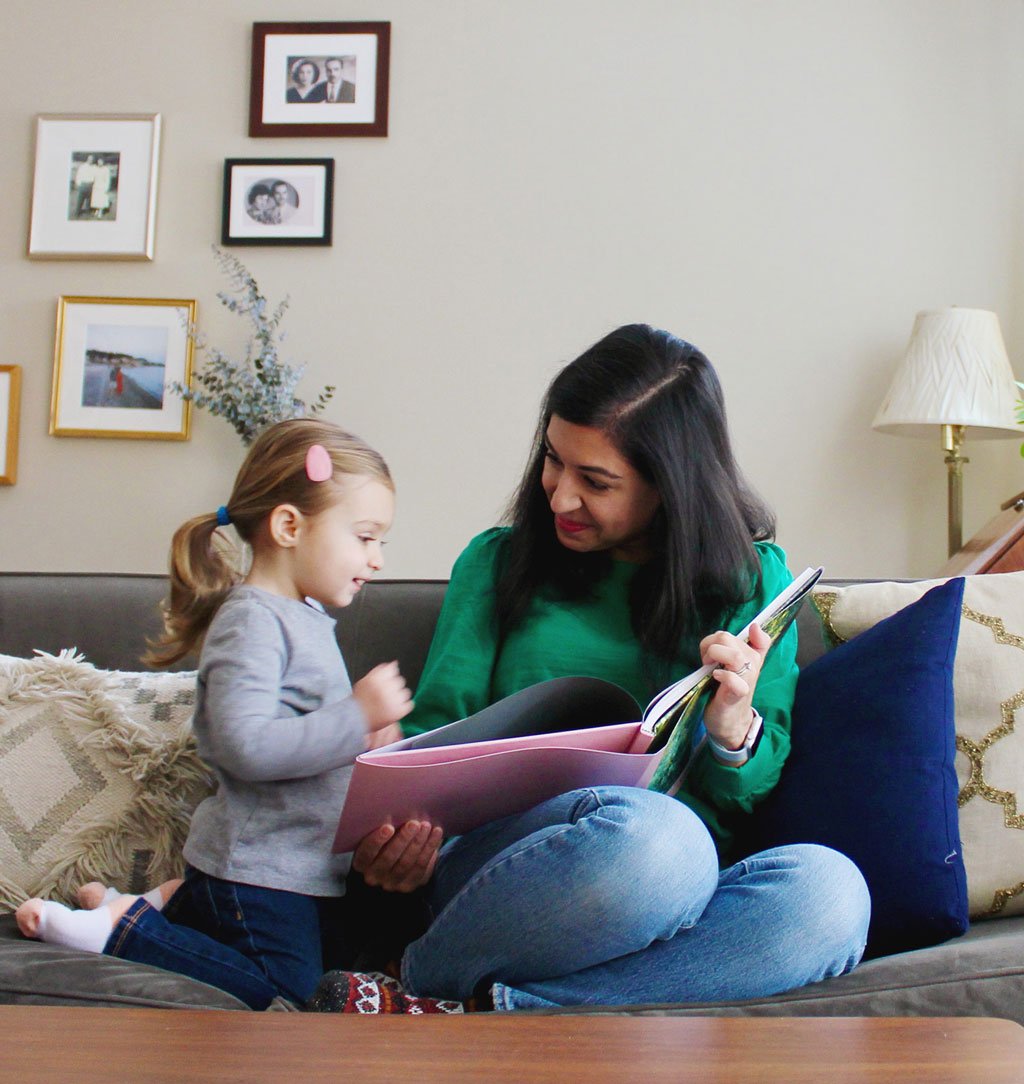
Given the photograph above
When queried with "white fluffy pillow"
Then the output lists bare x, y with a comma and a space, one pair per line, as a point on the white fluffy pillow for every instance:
98, 776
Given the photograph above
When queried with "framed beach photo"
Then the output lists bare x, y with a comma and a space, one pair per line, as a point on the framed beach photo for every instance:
319, 79
10, 404
278, 201
113, 360
94, 186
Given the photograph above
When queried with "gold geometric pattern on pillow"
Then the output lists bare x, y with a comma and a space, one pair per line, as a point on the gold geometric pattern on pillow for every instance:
99, 775
988, 687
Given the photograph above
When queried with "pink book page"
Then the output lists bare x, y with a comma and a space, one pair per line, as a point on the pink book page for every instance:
463, 786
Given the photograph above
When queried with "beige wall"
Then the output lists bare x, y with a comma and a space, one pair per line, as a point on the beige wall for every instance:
785, 183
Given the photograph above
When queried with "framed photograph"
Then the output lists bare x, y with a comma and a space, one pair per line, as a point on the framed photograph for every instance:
319, 79
277, 201
112, 363
10, 402
94, 188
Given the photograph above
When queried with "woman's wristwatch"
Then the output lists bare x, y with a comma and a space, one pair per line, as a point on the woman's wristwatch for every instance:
736, 757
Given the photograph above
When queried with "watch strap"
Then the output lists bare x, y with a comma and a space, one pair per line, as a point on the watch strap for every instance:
736, 757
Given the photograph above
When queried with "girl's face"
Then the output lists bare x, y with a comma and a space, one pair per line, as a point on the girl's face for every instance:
304, 76
339, 549
599, 499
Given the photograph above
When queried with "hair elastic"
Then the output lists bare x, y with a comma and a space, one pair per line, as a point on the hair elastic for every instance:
318, 464
223, 517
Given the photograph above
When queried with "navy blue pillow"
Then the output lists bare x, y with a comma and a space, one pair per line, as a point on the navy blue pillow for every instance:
871, 771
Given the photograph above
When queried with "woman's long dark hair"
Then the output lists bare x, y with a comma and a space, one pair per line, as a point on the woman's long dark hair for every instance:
659, 401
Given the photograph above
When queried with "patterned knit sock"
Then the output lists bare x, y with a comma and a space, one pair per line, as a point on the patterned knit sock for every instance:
372, 992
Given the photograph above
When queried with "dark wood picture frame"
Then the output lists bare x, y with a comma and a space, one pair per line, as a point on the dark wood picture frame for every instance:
304, 190
277, 47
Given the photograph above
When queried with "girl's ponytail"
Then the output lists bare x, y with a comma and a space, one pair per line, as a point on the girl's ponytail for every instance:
202, 573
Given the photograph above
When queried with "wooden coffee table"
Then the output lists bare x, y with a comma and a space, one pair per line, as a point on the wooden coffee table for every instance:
151, 1046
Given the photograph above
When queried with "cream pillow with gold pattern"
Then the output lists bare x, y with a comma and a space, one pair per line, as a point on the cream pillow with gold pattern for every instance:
988, 688
98, 776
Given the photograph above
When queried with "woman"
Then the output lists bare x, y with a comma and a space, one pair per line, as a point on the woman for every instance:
99, 199
632, 536
305, 76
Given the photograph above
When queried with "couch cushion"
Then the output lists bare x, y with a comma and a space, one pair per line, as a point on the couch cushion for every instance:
988, 686
871, 771
98, 776
32, 973
979, 974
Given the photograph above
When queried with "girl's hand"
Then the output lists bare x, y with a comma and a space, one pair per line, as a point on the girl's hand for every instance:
383, 696
399, 860
729, 712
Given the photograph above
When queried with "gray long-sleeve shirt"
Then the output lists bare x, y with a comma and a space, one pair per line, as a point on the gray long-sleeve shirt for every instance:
276, 721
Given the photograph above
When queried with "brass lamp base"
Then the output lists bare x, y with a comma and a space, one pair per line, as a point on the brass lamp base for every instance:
952, 444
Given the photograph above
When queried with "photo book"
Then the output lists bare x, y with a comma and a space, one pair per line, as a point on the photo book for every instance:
545, 740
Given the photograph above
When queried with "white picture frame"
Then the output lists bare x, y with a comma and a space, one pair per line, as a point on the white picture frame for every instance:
94, 186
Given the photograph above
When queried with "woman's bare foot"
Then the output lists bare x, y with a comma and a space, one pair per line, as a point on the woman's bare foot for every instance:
27, 917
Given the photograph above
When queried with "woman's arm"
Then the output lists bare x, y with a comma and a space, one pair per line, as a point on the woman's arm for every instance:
456, 680
728, 788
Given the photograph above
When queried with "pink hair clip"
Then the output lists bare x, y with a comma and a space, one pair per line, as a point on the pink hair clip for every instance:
318, 464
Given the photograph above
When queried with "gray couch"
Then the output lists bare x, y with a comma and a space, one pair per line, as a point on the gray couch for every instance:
107, 617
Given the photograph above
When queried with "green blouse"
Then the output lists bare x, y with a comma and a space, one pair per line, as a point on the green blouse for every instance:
595, 638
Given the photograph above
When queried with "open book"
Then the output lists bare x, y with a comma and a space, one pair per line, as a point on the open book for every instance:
542, 741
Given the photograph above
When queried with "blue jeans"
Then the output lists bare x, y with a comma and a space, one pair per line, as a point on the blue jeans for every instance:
613, 895
255, 943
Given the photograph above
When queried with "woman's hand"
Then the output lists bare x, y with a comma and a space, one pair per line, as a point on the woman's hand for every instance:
399, 860
729, 712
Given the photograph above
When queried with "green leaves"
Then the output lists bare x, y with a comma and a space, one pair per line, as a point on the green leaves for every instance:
260, 390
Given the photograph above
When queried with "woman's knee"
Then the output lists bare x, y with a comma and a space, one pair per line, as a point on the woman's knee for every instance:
828, 901
651, 847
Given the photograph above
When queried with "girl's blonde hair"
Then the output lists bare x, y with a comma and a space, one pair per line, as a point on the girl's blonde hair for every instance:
204, 565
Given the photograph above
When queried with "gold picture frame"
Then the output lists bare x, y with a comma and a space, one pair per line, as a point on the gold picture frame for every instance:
10, 408
94, 186
113, 360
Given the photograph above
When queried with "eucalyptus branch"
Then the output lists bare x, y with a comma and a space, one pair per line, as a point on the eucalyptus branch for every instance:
260, 390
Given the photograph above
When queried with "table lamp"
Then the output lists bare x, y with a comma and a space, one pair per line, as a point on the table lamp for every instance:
954, 374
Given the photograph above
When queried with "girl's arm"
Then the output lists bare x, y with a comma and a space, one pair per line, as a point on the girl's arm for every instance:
254, 723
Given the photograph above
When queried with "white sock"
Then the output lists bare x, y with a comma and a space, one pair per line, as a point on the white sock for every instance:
85, 930
154, 897
109, 893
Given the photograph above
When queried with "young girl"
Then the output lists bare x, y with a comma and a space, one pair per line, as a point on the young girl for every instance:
277, 719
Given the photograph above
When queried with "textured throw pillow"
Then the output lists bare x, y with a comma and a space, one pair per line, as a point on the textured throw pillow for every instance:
871, 772
988, 686
98, 776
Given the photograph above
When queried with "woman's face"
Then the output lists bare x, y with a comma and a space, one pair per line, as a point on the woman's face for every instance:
599, 500
304, 76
